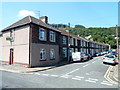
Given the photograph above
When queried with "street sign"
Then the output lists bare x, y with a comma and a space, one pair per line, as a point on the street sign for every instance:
9, 38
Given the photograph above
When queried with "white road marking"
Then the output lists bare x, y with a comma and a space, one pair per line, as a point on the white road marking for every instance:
86, 65
93, 61
65, 76
93, 79
37, 73
45, 74
90, 81
54, 75
79, 77
105, 83
76, 78
72, 71
87, 74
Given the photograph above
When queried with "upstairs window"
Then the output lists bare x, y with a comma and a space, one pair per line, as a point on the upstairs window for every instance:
71, 41
52, 54
64, 52
52, 36
42, 34
42, 54
64, 40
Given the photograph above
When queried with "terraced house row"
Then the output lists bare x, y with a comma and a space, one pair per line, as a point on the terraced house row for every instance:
32, 42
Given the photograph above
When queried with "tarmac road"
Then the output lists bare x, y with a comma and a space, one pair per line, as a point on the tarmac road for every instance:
88, 74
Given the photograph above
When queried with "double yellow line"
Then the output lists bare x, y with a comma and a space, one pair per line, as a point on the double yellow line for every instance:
107, 75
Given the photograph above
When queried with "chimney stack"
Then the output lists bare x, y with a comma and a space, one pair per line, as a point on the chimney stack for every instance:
44, 19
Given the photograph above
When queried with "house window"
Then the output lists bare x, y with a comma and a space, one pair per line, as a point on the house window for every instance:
42, 34
64, 40
71, 41
64, 52
52, 36
52, 54
42, 54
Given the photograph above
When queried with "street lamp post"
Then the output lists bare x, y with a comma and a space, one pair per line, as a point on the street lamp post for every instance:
68, 44
117, 41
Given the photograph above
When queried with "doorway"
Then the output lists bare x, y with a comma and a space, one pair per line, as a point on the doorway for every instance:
11, 56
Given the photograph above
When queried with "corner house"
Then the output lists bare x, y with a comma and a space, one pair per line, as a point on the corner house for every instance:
32, 42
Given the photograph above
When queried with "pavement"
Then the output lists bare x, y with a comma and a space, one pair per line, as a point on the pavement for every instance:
23, 69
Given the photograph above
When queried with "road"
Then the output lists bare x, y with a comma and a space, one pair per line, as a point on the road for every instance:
88, 74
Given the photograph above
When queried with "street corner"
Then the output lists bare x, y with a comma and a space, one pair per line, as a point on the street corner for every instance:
110, 75
23, 70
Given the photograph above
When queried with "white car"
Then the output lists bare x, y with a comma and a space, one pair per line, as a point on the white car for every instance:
79, 56
110, 59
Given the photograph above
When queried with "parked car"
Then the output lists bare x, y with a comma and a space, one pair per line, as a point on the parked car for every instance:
98, 54
114, 53
89, 56
79, 56
110, 59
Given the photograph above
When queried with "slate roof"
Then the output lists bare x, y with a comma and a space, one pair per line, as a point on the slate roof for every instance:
27, 20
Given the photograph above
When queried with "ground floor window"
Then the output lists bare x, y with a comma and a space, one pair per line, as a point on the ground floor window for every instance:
42, 54
64, 52
52, 54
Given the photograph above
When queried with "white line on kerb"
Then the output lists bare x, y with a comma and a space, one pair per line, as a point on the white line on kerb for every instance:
86, 65
72, 71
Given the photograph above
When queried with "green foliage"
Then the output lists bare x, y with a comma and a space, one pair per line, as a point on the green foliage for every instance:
106, 35
79, 26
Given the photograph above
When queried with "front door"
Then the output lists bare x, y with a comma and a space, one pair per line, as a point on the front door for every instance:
11, 56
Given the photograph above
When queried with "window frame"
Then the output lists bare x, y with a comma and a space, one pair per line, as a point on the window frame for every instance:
64, 53
52, 58
44, 58
64, 40
52, 39
44, 38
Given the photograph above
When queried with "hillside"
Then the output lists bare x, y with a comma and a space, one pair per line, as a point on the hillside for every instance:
106, 35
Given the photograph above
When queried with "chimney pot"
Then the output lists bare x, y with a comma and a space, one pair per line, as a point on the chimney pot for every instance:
44, 19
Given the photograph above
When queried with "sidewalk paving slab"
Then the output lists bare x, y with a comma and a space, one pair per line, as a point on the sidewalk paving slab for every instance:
23, 69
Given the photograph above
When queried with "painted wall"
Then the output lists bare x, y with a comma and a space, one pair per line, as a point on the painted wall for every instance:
20, 45
35, 54
0, 47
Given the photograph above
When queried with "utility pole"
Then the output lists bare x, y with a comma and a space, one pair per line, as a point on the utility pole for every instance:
117, 40
68, 41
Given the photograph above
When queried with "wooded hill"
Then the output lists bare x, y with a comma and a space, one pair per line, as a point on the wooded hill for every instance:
106, 35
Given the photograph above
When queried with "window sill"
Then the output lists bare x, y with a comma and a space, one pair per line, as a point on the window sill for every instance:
52, 59
43, 59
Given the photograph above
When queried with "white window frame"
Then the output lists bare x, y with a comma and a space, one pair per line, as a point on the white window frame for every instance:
76, 43
43, 51
52, 39
52, 54
64, 52
41, 30
64, 40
